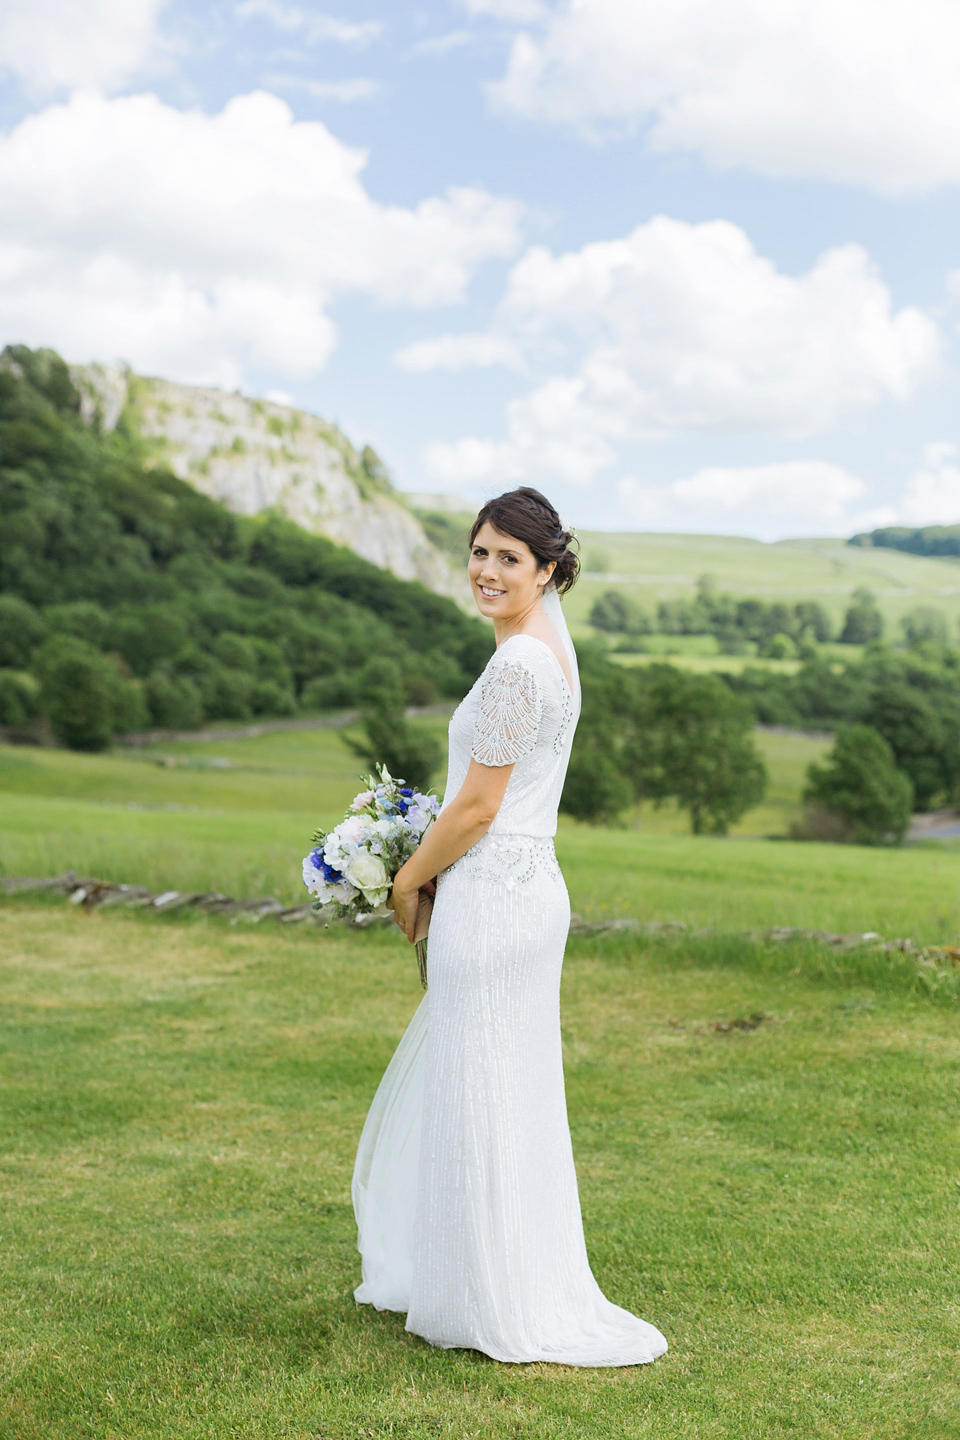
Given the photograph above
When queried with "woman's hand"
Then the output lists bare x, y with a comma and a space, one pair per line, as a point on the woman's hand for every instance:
404, 903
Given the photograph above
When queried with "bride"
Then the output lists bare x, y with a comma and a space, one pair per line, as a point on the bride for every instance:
465, 1190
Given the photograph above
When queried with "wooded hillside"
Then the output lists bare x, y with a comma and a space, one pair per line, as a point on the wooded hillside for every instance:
127, 598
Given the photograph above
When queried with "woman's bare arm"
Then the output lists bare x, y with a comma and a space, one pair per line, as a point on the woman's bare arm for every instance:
464, 821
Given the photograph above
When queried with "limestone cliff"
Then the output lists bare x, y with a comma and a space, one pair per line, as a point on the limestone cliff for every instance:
257, 455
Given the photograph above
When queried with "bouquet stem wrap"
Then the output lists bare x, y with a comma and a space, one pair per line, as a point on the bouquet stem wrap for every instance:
424, 911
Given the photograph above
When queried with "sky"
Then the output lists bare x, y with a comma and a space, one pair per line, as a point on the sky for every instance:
689, 268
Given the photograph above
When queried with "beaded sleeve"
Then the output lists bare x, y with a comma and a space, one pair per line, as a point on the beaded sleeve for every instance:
510, 711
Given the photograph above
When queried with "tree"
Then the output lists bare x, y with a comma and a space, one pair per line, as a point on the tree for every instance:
923, 623
694, 743
21, 631
863, 623
657, 733
409, 751
18, 697
173, 701
596, 788
812, 619
919, 737
859, 784
778, 647
610, 612
77, 692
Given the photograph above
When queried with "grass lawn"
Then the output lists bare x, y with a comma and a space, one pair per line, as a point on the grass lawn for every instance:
181, 1105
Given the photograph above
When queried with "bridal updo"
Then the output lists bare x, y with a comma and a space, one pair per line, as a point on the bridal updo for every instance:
528, 516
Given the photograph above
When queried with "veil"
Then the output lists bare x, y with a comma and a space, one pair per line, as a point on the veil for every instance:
554, 611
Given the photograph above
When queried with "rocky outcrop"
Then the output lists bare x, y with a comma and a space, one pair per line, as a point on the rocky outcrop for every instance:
258, 455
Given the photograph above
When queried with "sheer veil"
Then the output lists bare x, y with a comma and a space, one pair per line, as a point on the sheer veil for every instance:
554, 611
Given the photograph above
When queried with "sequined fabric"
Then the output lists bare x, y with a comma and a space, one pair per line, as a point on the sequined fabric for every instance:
465, 1189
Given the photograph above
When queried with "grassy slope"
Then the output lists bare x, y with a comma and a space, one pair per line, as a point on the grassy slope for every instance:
181, 1108
665, 566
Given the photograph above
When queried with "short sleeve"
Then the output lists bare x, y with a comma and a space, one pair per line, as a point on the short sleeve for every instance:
508, 721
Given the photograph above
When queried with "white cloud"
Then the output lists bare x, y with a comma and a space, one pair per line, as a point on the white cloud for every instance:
520, 12
60, 44
856, 91
207, 246
795, 497
347, 92
456, 352
792, 497
775, 490
932, 496
684, 328
437, 45
553, 434
315, 29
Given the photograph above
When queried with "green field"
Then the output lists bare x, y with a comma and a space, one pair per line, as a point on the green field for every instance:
236, 816
765, 1134
660, 567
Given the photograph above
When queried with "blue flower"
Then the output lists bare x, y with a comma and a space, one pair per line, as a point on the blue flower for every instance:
332, 877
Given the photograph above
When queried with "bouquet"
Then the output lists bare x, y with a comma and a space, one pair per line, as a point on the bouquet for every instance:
351, 867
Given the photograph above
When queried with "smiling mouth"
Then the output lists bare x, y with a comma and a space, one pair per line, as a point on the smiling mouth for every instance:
489, 594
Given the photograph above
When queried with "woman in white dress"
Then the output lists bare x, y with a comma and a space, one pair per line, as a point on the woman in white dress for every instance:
465, 1189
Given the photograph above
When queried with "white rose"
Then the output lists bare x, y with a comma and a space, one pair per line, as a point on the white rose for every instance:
369, 874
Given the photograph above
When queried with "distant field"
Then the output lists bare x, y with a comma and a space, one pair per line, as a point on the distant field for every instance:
659, 567
653, 567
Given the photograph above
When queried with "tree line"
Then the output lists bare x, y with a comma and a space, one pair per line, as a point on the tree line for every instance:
935, 540
771, 629
128, 599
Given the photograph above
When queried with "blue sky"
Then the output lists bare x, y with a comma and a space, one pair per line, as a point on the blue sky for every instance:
692, 268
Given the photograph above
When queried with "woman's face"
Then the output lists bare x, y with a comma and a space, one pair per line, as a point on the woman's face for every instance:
504, 575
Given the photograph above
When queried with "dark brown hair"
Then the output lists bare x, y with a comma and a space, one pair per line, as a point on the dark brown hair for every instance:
528, 516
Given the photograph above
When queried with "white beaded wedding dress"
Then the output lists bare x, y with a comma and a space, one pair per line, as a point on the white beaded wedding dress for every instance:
465, 1190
